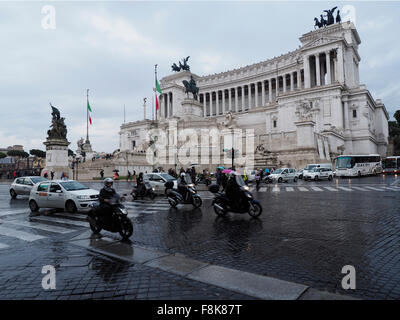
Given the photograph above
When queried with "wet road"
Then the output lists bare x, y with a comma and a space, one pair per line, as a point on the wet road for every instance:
306, 234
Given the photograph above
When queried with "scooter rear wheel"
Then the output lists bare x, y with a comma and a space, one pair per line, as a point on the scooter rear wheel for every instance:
218, 211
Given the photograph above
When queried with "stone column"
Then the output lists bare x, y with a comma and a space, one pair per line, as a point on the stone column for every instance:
236, 99
204, 105
328, 67
339, 66
284, 82
346, 116
317, 70
306, 62
243, 104
166, 105
263, 93
223, 102
291, 81
255, 95
270, 90
277, 87
299, 79
230, 99
217, 102
249, 95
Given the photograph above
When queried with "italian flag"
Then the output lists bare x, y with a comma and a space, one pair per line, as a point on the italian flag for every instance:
90, 110
158, 89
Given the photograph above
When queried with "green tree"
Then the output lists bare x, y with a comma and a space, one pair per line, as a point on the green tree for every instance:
2, 155
38, 153
17, 153
397, 117
394, 133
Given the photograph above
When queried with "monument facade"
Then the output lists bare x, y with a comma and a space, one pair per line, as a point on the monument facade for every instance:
305, 106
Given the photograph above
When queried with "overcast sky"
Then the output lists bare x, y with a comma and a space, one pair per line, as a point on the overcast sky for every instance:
111, 47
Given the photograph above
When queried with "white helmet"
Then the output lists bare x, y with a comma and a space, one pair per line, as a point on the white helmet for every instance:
183, 174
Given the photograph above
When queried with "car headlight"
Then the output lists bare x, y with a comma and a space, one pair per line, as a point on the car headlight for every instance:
83, 197
153, 188
124, 211
246, 188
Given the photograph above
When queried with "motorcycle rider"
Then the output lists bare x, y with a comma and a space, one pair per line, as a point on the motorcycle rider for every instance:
106, 193
140, 184
182, 185
233, 191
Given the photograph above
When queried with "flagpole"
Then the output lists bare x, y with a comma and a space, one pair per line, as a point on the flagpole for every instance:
87, 116
155, 84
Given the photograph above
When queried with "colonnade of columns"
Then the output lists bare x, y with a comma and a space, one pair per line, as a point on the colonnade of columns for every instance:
166, 103
321, 69
249, 96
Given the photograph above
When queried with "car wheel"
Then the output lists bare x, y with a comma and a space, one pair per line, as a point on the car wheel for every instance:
316, 178
13, 194
280, 179
70, 206
33, 206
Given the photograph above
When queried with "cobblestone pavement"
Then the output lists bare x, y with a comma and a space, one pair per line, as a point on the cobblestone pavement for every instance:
306, 234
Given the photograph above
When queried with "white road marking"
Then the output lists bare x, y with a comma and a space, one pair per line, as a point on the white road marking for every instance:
70, 215
19, 234
289, 189
64, 221
360, 189
3, 246
302, 189
393, 189
263, 189
345, 189
331, 189
372, 188
276, 189
40, 226
316, 189
133, 215
11, 212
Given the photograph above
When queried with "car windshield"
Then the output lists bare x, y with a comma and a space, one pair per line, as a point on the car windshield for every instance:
38, 179
167, 177
73, 186
314, 169
310, 167
278, 171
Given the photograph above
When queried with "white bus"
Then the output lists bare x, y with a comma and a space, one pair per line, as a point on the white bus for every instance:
358, 165
391, 165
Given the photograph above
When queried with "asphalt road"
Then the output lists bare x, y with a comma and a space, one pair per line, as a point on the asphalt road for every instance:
308, 231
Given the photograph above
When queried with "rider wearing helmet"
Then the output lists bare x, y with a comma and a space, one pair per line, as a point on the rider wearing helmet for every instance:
106, 193
232, 189
182, 189
140, 184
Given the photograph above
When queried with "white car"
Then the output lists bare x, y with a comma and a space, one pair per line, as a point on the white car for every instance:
319, 174
284, 174
70, 195
158, 179
23, 185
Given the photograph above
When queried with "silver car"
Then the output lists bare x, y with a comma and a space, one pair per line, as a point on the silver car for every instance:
23, 185
158, 179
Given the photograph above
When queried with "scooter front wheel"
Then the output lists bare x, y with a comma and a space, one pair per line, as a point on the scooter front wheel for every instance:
172, 202
255, 210
126, 228
95, 225
197, 202
219, 210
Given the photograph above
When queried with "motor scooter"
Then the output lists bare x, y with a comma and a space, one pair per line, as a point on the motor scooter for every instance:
114, 221
186, 193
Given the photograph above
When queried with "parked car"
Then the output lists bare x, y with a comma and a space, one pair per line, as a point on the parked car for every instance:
70, 195
23, 185
158, 180
283, 174
319, 174
299, 174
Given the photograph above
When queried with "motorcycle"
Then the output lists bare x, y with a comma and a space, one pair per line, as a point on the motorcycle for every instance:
116, 221
222, 204
202, 179
147, 191
186, 193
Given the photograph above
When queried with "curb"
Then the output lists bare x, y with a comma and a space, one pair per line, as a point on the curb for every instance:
251, 284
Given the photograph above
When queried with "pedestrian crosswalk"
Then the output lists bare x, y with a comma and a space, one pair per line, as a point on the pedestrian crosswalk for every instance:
324, 188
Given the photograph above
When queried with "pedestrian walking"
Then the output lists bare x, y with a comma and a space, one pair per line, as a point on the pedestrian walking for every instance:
52, 175
129, 177
102, 174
